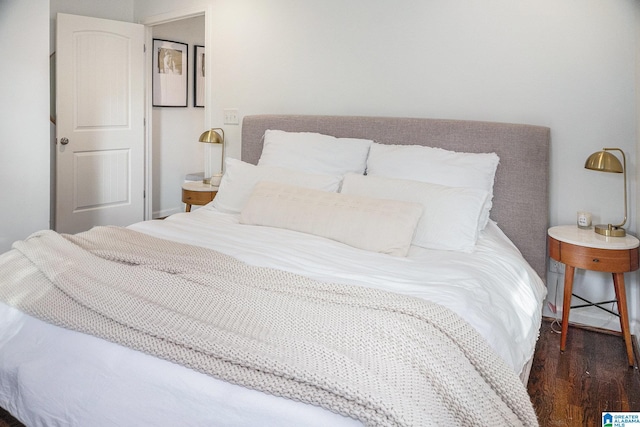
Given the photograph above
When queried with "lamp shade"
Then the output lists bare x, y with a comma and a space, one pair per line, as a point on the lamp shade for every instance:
212, 137
604, 161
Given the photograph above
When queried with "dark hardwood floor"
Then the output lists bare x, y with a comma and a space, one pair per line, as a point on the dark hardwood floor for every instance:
7, 420
567, 389
592, 376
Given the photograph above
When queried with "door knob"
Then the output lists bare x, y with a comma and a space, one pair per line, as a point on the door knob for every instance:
64, 141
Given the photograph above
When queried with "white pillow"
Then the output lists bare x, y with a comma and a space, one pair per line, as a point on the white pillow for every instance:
239, 179
314, 152
438, 166
372, 224
450, 215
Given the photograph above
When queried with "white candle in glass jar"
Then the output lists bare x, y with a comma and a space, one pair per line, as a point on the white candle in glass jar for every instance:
584, 219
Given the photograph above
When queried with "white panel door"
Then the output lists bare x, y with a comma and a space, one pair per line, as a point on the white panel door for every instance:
100, 123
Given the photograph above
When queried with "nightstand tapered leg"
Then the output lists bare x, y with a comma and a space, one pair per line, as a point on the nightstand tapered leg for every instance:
566, 304
621, 296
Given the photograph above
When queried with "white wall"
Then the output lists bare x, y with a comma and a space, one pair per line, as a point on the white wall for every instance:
176, 150
24, 119
569, 65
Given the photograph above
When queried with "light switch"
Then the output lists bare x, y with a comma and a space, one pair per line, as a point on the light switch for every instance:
231, 116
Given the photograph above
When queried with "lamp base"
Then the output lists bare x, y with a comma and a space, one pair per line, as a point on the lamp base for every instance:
609, 230
214, 181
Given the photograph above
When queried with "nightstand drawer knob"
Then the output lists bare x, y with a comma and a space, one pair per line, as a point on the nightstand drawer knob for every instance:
596, 260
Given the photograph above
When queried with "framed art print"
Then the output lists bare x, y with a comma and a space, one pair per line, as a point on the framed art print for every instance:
170, 69
198, 76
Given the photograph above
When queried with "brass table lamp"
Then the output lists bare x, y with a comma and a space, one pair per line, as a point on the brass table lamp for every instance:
604, 161
212, 137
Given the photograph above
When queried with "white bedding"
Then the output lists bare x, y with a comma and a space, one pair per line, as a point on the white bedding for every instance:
106, 384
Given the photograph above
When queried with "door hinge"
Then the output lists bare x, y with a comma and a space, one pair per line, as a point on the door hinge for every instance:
144, 48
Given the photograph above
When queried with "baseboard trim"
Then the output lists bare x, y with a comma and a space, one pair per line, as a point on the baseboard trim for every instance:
585, 327
636, 350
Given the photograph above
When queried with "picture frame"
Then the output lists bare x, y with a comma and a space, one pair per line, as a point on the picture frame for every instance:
170, 68
198, 75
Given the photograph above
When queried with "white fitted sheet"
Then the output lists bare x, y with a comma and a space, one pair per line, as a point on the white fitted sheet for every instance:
52, 376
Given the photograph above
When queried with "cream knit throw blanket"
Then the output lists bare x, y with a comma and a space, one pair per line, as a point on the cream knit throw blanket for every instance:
379, 357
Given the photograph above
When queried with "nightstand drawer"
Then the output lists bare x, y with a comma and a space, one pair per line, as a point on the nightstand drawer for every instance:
197, 197
608, 260
197, 193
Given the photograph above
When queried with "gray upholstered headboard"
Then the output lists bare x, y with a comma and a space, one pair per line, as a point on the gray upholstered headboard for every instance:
520, 204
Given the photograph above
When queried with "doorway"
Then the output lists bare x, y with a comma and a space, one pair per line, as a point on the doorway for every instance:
176, 151
164, 190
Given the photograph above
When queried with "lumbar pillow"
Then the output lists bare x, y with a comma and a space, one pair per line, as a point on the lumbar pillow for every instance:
377, 225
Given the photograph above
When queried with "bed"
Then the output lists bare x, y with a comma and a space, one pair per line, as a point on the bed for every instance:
53, 375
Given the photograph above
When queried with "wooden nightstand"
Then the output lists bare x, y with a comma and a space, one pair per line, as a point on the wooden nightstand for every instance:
197, 193
578, 248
